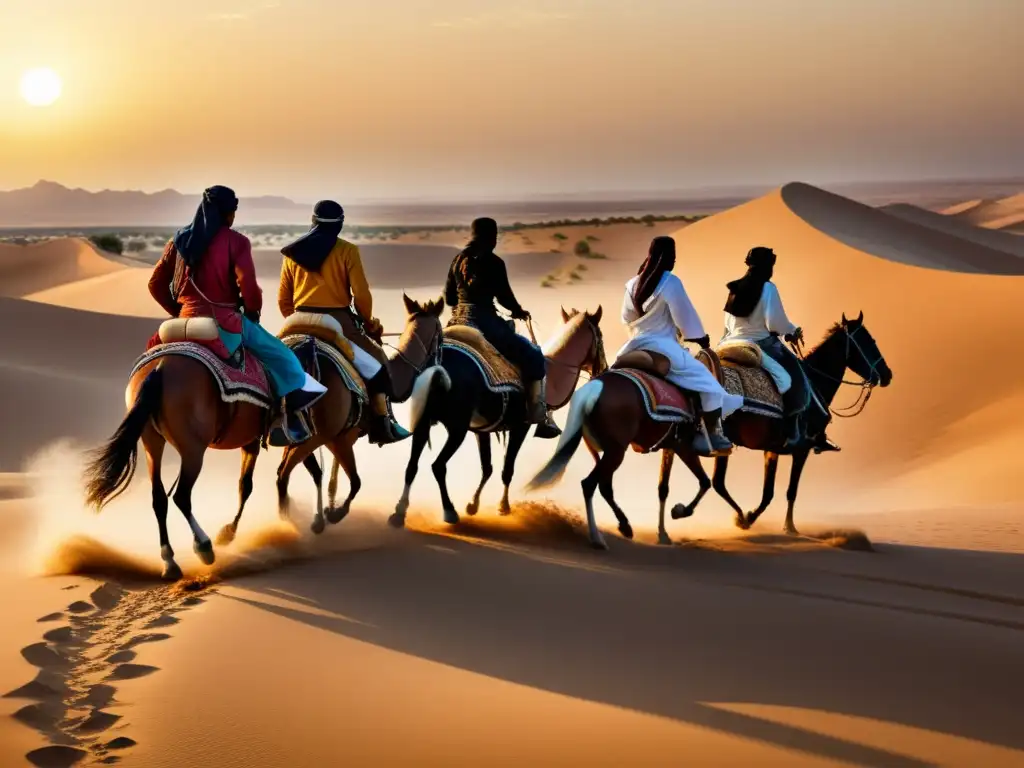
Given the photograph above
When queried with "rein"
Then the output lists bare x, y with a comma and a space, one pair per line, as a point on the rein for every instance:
866, 386
428, 358
579, 371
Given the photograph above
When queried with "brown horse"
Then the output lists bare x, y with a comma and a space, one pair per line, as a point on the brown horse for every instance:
609, 414
456, 395
331, 415
847, 345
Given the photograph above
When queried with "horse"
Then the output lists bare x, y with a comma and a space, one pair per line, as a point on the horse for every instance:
338, 419
609, 414
846, 345
457, 394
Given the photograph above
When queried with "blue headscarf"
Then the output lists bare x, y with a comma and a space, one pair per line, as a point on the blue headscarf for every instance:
192, 241
312, 249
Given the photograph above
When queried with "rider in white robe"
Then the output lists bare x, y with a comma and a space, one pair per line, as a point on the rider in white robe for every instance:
668, 314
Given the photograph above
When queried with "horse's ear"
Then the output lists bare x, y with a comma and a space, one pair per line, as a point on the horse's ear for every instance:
845, 321
410, 306
438, 307
565, 315
596, 317
860, 318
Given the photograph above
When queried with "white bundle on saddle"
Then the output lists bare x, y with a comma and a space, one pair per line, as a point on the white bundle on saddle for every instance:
319, 325
189, 329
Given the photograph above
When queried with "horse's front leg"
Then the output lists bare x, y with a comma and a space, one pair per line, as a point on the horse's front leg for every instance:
692, 462
154, 445
718, 482
799, 459
664, 474
483, 440
516, 436
771, 466
420, 436
457, 431
250, 453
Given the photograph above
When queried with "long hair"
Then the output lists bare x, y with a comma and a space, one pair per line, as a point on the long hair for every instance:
661, 258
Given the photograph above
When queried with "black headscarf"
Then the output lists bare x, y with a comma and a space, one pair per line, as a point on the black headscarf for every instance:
192, 241
746, 292
312, 249
661, 258
483, 240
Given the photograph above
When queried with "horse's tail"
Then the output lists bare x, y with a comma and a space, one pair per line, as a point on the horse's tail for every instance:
427, 384
110, 471
582, 405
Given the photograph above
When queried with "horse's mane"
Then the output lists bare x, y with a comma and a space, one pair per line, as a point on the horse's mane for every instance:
826, 337
558, 342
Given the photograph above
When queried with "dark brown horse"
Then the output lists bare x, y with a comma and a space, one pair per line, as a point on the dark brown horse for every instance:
456, 395
847, 345
609, 414
331, 415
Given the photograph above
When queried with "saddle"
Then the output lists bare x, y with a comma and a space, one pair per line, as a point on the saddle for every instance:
738, 368
500, 375
320, 326
668, 407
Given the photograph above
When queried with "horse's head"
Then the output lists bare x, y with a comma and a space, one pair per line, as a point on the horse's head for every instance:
862, 354
420, 344
582, 331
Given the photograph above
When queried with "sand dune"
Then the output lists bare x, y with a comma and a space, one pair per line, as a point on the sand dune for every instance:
1003, 214
954, 225
27, 269
379, 646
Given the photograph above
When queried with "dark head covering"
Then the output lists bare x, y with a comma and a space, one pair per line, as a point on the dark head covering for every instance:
746, 292
483, 236
661, 258
311, 250
192, 241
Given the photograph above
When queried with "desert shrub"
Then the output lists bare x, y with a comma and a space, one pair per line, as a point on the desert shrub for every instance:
582, 248
575, 276
592, 255
548, 281
108, 243
555, 250
560, 237
136, 246
592, 238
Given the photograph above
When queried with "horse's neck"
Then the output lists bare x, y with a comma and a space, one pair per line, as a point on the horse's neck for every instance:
402, 365
564, 365
825, 366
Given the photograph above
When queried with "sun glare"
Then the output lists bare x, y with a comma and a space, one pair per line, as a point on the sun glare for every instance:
40, 87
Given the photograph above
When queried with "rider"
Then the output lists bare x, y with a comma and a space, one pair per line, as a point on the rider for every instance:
476, 279
754, 313
656, 311
207, 271
323, 273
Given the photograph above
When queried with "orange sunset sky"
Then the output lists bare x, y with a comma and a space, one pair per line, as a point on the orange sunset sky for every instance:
451, 99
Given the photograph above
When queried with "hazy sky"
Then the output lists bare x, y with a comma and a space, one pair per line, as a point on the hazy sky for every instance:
453, 99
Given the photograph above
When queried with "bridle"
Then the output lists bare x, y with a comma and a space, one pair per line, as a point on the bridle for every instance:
866, 386
595, 354
431, 351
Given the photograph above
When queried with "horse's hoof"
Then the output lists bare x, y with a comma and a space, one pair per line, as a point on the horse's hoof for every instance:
504, 509
397, 520
336, 514
598, 544
680, 511
743, 523
790, 530
317, 526
451, 517
663, 539
226, 535
171, 571
205, 551
472, 508
626, 530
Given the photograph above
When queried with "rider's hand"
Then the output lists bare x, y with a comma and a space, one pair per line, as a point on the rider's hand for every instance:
522, 314
373, 327
795, 336
704, 341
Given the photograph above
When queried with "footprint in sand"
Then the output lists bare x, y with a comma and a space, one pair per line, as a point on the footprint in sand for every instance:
97, 642
56, 757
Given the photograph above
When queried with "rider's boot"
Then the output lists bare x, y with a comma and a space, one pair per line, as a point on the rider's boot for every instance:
720, 444
822, 444
537, 411
297, 401
384, 429
794, 431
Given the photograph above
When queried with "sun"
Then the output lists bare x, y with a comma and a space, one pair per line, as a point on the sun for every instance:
40, 87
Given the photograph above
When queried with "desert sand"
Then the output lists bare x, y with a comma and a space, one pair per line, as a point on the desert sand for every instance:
507, 641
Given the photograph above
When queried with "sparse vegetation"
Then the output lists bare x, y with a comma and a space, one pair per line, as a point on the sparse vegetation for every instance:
592, 255
109, 243
555, 250
560, 237
575, 276
136, 246
548, 281
592, 238
582, 248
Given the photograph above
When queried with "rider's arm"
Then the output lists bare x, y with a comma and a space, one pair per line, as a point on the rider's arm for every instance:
160, 281
357, 283
245, 276
503, 291
286, 290
774, 313
684, 314
629, 313
451, 289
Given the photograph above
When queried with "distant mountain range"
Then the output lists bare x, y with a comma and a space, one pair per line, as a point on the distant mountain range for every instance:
48, 204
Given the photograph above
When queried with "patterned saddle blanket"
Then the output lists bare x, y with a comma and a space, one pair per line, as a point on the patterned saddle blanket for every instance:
246, 383
499, 374
312, 350
664, 401
752, 383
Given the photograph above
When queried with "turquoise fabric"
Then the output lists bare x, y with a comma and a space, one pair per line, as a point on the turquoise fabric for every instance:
283, 368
